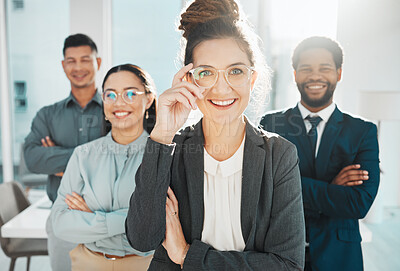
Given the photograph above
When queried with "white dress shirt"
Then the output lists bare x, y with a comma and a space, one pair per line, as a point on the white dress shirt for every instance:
222, 200
325, 114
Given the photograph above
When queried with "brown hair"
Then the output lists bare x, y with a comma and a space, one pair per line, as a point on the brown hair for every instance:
218, 19
213, 19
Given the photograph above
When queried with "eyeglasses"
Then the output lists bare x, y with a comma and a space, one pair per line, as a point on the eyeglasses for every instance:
235, 76
110, 96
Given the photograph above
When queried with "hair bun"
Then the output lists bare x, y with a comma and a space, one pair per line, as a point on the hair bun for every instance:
201, 11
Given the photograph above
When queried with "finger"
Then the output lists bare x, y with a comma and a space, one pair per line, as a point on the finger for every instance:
70, 198
182, 91
50, 142
173, 96
71, 205
180, 75
170, 207
353, 183
82, 203
195, 90
44, 143
172, 197
75, 201
350, 167
169, 217
190, 97
78, 197
167, 214
67, 202
355, 172
181, 99
353, 178
355, 175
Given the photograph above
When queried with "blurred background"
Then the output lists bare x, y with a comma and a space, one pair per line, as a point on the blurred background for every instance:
145, 33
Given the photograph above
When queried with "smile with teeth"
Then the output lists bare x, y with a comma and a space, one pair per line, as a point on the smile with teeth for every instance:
79, 76
223, 103
316, 87
121, 114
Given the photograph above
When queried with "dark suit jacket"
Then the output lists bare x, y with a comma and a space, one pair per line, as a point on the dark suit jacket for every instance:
272, 218
332, 211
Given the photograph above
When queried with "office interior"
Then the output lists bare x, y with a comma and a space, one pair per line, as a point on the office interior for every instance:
145, 33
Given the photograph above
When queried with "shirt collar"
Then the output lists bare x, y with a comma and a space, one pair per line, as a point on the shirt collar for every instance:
96, 98
227, 167
325, 113
128, 149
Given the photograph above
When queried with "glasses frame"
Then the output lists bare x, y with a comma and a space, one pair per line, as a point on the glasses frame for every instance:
250, 69
122, 95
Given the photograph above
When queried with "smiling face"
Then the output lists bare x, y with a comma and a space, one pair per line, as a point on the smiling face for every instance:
316, 76
80, 65
126, 118
223, 103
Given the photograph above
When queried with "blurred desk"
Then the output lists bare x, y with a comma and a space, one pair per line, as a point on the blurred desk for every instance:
30, 223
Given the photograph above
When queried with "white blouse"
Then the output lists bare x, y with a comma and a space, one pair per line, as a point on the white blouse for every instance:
222, 200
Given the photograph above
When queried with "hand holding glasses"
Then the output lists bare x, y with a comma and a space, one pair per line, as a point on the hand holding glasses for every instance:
175, 104
111, 96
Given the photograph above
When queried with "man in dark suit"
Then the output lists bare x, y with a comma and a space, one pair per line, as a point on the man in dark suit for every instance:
339, 158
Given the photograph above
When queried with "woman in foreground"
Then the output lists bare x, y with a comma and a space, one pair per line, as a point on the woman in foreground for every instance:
220, 195
93, 197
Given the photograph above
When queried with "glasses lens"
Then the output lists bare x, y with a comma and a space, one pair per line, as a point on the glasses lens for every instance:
238, 75
129, 95
109, 96
205, 76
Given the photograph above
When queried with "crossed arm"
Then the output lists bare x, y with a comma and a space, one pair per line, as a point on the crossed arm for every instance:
39, 157
352, 192
73, 218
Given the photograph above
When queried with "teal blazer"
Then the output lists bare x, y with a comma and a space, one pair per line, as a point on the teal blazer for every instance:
332, 211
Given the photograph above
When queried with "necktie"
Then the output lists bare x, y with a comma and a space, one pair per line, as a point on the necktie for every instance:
312, 134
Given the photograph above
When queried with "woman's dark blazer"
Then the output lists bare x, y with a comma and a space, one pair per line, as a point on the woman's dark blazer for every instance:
271, 212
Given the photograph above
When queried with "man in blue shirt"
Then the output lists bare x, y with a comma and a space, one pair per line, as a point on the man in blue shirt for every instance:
58, 128
339, 158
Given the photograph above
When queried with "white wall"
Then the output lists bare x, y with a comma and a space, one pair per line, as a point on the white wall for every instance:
369, 32
35, 35
93, 18
144, 33
291, 22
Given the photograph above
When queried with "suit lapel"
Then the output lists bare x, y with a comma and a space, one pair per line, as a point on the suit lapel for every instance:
252, 175
193, 154
328, 139
299, 136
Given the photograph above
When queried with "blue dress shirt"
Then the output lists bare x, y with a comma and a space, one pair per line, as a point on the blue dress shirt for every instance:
103, 173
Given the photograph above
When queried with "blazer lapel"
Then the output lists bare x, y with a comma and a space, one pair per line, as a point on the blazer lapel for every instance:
329, 136
253, 165
193, 153
299, 136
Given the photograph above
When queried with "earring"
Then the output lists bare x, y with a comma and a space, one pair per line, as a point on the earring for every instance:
105, 118
147, 114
